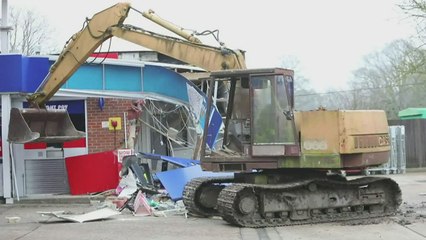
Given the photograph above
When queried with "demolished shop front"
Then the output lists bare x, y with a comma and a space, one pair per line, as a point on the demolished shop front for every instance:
39, 168
43, 170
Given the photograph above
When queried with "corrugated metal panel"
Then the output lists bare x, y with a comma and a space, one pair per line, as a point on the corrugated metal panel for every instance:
401, 155
45, 176
415, 140
397, 157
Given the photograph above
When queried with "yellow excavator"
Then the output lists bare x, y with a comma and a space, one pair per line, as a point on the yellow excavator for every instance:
282, 159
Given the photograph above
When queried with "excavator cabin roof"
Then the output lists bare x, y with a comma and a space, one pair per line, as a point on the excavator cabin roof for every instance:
236, 74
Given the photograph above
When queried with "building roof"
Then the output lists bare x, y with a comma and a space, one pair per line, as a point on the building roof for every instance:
412, 113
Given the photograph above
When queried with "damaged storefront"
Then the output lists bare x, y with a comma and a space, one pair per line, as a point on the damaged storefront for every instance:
90, 96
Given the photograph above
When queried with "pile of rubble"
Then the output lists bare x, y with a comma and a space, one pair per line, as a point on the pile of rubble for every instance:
138, 193
144, 188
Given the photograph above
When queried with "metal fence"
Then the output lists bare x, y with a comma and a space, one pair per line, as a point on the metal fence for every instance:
397, 156
415, 141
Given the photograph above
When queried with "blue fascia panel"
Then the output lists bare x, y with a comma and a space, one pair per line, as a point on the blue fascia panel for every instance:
165, 82
123, 78
86, 77
72, 106
35, 69
10, 73
20, 73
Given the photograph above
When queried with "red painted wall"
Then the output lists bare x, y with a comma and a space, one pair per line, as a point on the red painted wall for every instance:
92, 173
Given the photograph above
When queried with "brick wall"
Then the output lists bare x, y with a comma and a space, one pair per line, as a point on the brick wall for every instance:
102, 139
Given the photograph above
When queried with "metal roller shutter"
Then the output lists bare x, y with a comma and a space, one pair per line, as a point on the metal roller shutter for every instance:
46, 176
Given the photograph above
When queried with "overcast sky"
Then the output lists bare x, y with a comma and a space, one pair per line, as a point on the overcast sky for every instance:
329, 37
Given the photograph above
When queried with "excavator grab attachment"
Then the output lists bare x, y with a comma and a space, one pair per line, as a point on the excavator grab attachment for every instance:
41, 125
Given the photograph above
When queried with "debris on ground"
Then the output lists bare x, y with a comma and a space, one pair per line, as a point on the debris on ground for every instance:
141, 193
171, 208
143, 190
411, 213
98, 214
13, 219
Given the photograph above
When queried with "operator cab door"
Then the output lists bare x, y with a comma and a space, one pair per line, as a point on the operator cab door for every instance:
272, 127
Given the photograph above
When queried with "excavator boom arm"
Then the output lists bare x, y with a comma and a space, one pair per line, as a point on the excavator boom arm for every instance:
41, 125
203, 56
109, 23
78, 50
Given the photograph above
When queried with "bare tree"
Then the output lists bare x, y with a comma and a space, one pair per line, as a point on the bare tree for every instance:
391, 79
307, 98
30, 34
416, 10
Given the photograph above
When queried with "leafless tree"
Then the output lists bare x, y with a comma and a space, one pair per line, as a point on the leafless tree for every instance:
416, 10
391, 79
30, 34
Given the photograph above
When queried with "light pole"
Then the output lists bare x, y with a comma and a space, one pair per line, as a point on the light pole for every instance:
5, 109
4, 28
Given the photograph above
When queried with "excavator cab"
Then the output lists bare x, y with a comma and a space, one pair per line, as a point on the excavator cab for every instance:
41, 125
262, 130
259, 122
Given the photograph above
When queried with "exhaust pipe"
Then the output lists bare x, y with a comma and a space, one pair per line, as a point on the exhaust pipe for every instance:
41, 125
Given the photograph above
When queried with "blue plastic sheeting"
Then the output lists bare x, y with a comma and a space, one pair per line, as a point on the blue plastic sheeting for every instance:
182, 162
214, 127
174, 181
